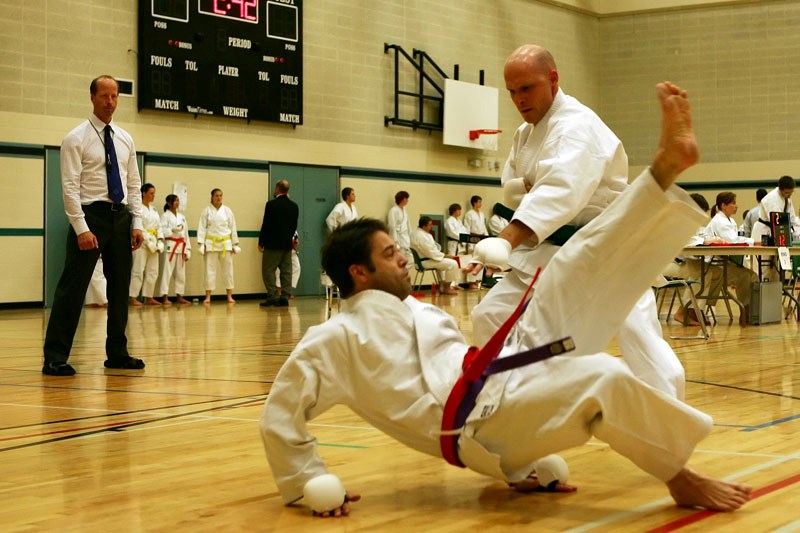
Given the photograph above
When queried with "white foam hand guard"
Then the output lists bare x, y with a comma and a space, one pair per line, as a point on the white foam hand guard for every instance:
513, 192
149, 242
201, 248
187, 254
236, 249
493, 252
160, 246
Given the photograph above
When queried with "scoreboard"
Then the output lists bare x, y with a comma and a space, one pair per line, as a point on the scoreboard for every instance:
233, 58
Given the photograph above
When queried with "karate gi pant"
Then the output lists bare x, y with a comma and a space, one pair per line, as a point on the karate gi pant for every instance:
144, 273
176, 268
587, 292
448, 268
640, 336
212, 261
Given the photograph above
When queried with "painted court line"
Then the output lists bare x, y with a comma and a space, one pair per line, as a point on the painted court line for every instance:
630, 513
702, 515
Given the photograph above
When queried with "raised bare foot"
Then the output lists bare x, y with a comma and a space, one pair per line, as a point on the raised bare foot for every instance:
677, 149
690, 489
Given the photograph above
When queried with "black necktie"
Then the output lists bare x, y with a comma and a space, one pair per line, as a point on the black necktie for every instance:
785, 205
115, 191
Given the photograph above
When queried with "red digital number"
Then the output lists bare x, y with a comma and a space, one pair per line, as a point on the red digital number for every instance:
244, 9
217, 9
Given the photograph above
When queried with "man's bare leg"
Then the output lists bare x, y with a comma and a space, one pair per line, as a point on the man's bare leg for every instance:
677, 151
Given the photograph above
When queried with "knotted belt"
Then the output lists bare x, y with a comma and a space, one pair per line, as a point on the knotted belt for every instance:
178, 242
478, 365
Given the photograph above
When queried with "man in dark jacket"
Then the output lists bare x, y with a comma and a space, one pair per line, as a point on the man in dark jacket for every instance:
275, 243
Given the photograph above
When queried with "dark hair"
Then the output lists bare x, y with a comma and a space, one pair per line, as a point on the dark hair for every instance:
213, 191
146, 187
400, 196
93, 85
760, 194
345, 193
786, 182
350, 244
700, 200
723, 198
170, 201
453, 208
474, 200
423, 221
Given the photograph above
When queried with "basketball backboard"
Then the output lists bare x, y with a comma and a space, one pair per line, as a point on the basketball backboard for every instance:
469, 107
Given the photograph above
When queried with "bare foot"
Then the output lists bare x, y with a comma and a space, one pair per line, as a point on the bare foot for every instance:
531, 484
677, 149
231, 300
152, 301
207, 301
690, 489
135, 303
165, 302
183, 301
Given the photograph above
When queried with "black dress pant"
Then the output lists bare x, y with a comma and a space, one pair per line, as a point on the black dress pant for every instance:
111, 224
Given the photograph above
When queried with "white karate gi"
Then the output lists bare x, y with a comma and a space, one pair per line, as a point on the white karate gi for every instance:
740, 277
217, 232
453, 228
576, 167
176, 231
340, 215
750, 221
397, 221
144, 271
497, 224
475, 222
431, 255
404, 373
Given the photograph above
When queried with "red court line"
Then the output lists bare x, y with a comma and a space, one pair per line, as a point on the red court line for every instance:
72, 430
702, 515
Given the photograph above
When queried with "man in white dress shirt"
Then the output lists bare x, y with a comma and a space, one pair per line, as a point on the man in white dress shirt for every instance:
520, 414
103, 219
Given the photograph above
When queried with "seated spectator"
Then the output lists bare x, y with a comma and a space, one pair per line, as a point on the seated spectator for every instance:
431, 255
496, 222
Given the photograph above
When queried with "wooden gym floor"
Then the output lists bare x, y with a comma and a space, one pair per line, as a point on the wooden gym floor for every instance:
176, 447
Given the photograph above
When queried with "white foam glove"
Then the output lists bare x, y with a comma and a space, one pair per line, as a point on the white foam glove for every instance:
160, 246
493, 252
201, 249
513, 192
187, 254
236, 249
149, 242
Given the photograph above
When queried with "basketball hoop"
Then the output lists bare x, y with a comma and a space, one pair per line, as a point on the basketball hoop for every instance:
475, 134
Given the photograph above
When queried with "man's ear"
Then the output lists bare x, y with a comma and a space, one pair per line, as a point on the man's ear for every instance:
359, 275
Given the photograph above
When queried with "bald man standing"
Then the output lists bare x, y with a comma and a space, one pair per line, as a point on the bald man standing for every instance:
565, 167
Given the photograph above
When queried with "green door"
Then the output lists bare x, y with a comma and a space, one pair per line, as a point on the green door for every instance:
316, 191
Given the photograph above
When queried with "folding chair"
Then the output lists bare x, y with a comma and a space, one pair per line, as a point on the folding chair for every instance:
677, 285
419, 277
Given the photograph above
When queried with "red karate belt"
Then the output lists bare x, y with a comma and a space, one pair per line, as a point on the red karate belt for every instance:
178, 241
478, 365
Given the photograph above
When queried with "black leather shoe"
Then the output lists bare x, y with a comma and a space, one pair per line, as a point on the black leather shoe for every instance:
59, 368
126, 363
269, 303
283, 302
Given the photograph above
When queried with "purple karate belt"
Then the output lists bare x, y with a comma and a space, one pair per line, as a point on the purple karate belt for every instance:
478, 365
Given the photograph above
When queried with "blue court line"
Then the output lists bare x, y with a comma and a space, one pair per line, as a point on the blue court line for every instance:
773, 423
